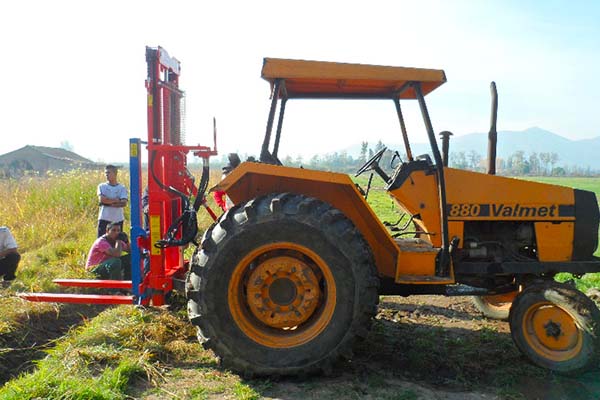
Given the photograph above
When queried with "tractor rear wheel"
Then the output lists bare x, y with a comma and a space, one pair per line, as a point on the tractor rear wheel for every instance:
556, 327
282, 285
495, 306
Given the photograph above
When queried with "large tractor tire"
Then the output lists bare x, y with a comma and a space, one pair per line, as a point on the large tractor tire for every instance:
495, 306
557, 327
282, 285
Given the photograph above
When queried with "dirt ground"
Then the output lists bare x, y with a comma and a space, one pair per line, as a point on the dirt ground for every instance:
435, 347
19, 351
445, 344
419, 347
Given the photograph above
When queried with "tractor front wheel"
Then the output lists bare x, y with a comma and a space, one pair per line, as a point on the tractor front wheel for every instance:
556, 327
282, 285
495, 306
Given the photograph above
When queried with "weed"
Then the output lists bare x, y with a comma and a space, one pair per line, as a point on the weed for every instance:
405, 394
510, 394
199, 393
101, 358
262, 385
375, 381
221, 388
245, 392
488, 334
347, 392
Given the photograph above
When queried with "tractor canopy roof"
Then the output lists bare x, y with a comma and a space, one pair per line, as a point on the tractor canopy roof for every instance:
319, 79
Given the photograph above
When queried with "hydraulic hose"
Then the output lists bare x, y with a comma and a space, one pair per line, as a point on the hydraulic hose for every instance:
187, 222
203, 185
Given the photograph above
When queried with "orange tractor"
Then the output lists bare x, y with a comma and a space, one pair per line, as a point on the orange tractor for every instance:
288, 279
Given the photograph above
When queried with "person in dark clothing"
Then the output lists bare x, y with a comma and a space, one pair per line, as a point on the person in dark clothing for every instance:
220, 196
9, 256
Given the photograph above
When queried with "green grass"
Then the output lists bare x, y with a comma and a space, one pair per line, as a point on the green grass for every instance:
95, 362
378, 198
103, 358
583, 183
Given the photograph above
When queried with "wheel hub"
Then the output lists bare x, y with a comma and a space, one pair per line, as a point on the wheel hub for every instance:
553, 329
283, 292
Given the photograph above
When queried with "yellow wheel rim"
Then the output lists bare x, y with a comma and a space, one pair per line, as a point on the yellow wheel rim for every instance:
282, 295
552, 332
500, 302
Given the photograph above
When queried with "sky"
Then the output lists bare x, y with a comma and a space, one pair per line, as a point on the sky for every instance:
73, 71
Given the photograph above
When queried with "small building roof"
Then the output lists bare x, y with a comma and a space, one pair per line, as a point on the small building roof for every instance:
52, 152
62, 154
54, 157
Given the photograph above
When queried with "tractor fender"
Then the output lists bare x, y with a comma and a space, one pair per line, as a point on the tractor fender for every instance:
250, 180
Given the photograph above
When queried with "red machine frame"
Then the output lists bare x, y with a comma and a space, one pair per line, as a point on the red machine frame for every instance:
157, 246
169, 181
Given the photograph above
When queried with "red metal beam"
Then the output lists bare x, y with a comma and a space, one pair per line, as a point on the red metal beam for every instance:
77, 298
94, 283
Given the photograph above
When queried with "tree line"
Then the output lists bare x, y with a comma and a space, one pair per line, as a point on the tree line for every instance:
340, 161
518, 163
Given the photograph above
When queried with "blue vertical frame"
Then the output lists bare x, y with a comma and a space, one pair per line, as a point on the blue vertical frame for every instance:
137, 230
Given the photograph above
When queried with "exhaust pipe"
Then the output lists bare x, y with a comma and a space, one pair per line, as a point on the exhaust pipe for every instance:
493, 135
445, 135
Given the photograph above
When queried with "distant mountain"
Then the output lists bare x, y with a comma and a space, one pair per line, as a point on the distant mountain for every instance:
581, 153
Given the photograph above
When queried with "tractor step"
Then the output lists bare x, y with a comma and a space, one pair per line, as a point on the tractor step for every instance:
423, 279
94, 283
77, 298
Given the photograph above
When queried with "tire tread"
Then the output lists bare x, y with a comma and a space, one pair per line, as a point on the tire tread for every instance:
306, 210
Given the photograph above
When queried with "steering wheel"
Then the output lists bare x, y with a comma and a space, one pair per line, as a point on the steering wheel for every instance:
372, 163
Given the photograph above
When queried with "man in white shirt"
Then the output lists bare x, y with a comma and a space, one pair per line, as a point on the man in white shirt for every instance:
113, 198
9, 256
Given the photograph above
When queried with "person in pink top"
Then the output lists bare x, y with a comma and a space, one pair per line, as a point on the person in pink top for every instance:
106, 258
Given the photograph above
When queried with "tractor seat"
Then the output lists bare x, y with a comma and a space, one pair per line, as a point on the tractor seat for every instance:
404, 170
425, 157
